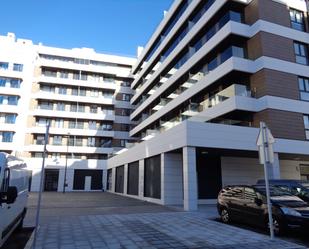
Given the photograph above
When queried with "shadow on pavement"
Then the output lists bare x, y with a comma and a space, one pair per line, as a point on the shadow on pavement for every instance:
18, 239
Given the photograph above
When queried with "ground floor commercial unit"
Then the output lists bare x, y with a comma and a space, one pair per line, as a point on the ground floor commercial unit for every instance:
189, 163
80, 174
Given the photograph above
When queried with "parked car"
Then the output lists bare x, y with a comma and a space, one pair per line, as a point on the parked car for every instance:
295, 187
14, 179
247, 204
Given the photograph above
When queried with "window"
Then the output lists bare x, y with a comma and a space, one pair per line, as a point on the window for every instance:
56, 155
79, 125
94, 93
18, 67
106, 143
46, 105
40, 139
60, 106
73, 108
93, 109
62, 90
83, 76
107, 127
47, 88
92, 125
7, 136
42, 122
4, 65
57, 140
81, 108
74, 91
126, 97
306, 124
38, 154
79, 142
15, 83
125, 83
91, 142
12, 100
64, 75
10, 118
59, 123
108, 95
301, 53
123, 143
82, 92
3, 81
297, 19
49, 73
303, 88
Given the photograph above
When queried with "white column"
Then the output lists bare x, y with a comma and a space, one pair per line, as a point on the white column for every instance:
141, 179
125, 180
113, 179
274, 169
104, 179
189, 179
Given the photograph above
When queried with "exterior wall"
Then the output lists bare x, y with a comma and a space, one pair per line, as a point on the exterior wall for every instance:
274, 83
240, 170
267, 10
283, 124
267, 44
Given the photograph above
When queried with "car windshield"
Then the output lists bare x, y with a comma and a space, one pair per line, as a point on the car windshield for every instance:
274, 191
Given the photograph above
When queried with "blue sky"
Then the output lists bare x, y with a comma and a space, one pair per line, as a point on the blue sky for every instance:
113, 26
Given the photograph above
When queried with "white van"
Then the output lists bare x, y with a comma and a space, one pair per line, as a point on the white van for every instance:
14, 181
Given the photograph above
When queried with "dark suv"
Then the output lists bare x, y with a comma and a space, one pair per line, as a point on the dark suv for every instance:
247, 204
295, 187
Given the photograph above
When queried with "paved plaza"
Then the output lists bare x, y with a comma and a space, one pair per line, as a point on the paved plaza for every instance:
162, 228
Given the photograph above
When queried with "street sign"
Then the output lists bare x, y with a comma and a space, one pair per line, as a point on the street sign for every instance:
265, 139
264, 142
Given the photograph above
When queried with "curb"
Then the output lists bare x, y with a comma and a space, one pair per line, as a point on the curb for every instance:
30, 241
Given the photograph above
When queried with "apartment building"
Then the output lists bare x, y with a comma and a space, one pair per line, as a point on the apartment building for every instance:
84, 95
210, 73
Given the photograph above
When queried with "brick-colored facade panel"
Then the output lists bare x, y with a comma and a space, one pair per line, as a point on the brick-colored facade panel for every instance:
266, 44
269, 11
283, 124
274, 83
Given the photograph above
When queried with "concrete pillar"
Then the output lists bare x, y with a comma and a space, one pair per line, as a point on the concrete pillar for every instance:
104, 179
274, 169
189, 178
141, 179
125, 180
113, 179
171, 179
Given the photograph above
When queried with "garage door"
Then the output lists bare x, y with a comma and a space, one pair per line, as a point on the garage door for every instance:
85, 179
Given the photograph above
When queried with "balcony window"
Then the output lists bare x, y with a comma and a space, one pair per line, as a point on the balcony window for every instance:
74, 91
297, 19
2, 82
60, 106
78, 142
83, 76
108, 95
304, 88
59, 123
4, 65
62, 90
76, 76
46, 106
105, 143
15, 83
64, 75
40, 140
7, 136
82, 92
107, 127
57, 140
73, 108
47, 88
306, 124
126, 97
94, 93
12, 100
92, 125
49, 73
18, 67
10, 118
91, 142
42, 122
93, 109
81, 108
301, 53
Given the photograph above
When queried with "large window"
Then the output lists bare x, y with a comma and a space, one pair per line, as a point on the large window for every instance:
306, 123
297, 19
7, 136
57, 140
4, 65
17, 67
301, 53
303, 88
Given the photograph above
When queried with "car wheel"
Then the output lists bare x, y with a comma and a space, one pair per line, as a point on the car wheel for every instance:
225, 216
278, 227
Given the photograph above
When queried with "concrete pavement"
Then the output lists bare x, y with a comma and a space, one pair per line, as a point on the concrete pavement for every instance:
162, 228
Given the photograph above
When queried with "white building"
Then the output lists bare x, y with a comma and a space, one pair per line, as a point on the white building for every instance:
85, 95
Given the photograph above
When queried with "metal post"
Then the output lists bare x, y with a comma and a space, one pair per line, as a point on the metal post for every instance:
66, 166
41, 187
266, 165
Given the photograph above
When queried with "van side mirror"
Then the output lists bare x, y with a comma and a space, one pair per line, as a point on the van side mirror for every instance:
11, 195
258, 201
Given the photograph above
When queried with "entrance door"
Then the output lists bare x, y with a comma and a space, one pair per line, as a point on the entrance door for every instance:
87, 179
51, 179
208, 166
